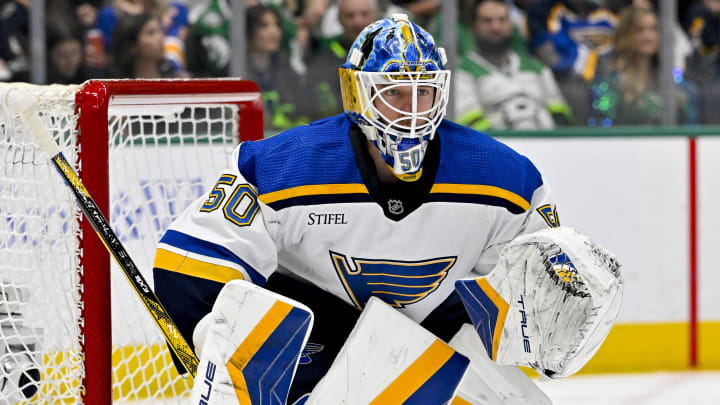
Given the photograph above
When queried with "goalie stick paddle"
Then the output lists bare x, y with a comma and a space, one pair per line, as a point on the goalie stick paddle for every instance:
23, 106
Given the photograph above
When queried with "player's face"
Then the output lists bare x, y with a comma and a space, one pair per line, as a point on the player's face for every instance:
267, 35
492, 22
395, 102
646, 38
150, 41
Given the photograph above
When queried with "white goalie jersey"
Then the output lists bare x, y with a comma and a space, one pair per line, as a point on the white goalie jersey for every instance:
300, 203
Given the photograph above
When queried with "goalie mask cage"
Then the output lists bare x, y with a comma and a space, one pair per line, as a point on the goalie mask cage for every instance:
71, 328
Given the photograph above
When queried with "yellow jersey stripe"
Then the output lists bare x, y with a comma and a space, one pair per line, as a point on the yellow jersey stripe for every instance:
314, 189
481, 189
502, 307
553, 19
590, 66
696, 26
252, 343
416, 374
171, 261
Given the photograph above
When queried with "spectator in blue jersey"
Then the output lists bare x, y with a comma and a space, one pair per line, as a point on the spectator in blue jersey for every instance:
323, 62
626, 90
569, 36
499, 87
267, 65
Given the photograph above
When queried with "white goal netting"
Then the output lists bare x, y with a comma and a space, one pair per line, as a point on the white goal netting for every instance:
162, 156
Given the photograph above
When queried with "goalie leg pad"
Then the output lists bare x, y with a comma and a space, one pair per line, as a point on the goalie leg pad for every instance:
548, 304
390, 359
252, 347
488, 383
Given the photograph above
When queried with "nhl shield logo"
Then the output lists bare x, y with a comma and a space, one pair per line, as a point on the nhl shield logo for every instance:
395, 207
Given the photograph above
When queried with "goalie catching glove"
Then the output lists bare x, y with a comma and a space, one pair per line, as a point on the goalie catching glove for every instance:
549, 302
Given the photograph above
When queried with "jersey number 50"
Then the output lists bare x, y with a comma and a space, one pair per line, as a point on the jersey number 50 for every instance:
240, 208
409, 160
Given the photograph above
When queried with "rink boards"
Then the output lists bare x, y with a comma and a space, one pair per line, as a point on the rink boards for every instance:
632, 195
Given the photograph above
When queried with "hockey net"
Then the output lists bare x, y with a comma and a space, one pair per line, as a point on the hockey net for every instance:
71, 328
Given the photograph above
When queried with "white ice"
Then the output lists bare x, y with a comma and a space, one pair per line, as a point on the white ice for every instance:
665, 388
661, 388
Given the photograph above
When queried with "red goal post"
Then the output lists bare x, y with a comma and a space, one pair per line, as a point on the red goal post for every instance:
144, 149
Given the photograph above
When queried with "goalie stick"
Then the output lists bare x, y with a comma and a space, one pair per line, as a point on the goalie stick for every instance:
22, 104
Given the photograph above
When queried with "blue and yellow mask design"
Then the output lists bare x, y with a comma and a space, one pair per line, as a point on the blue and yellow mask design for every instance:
395, 88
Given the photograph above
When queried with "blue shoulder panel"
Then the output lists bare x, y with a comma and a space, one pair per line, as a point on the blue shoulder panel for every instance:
474, 167
310, 164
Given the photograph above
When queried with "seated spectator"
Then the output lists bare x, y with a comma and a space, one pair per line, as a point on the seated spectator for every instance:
13, 41
498, 87
420, 11
703, 26
626, 91
173, 21
569, 36
81, 13
137, 49
463, 32
682, 49
267, 64
208, 44
65, 53
323, 63
307, 25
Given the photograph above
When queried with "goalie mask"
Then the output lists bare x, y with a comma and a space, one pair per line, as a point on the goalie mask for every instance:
394, 87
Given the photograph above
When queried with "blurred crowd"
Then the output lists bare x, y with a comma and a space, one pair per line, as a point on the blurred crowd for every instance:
522, 64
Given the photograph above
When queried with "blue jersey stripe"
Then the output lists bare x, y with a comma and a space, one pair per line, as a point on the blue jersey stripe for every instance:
206, 248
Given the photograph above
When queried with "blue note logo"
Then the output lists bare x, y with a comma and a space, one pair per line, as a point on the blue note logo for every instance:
396, 282
308, 350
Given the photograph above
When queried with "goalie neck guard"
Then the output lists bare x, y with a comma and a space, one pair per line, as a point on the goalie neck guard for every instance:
394, 87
